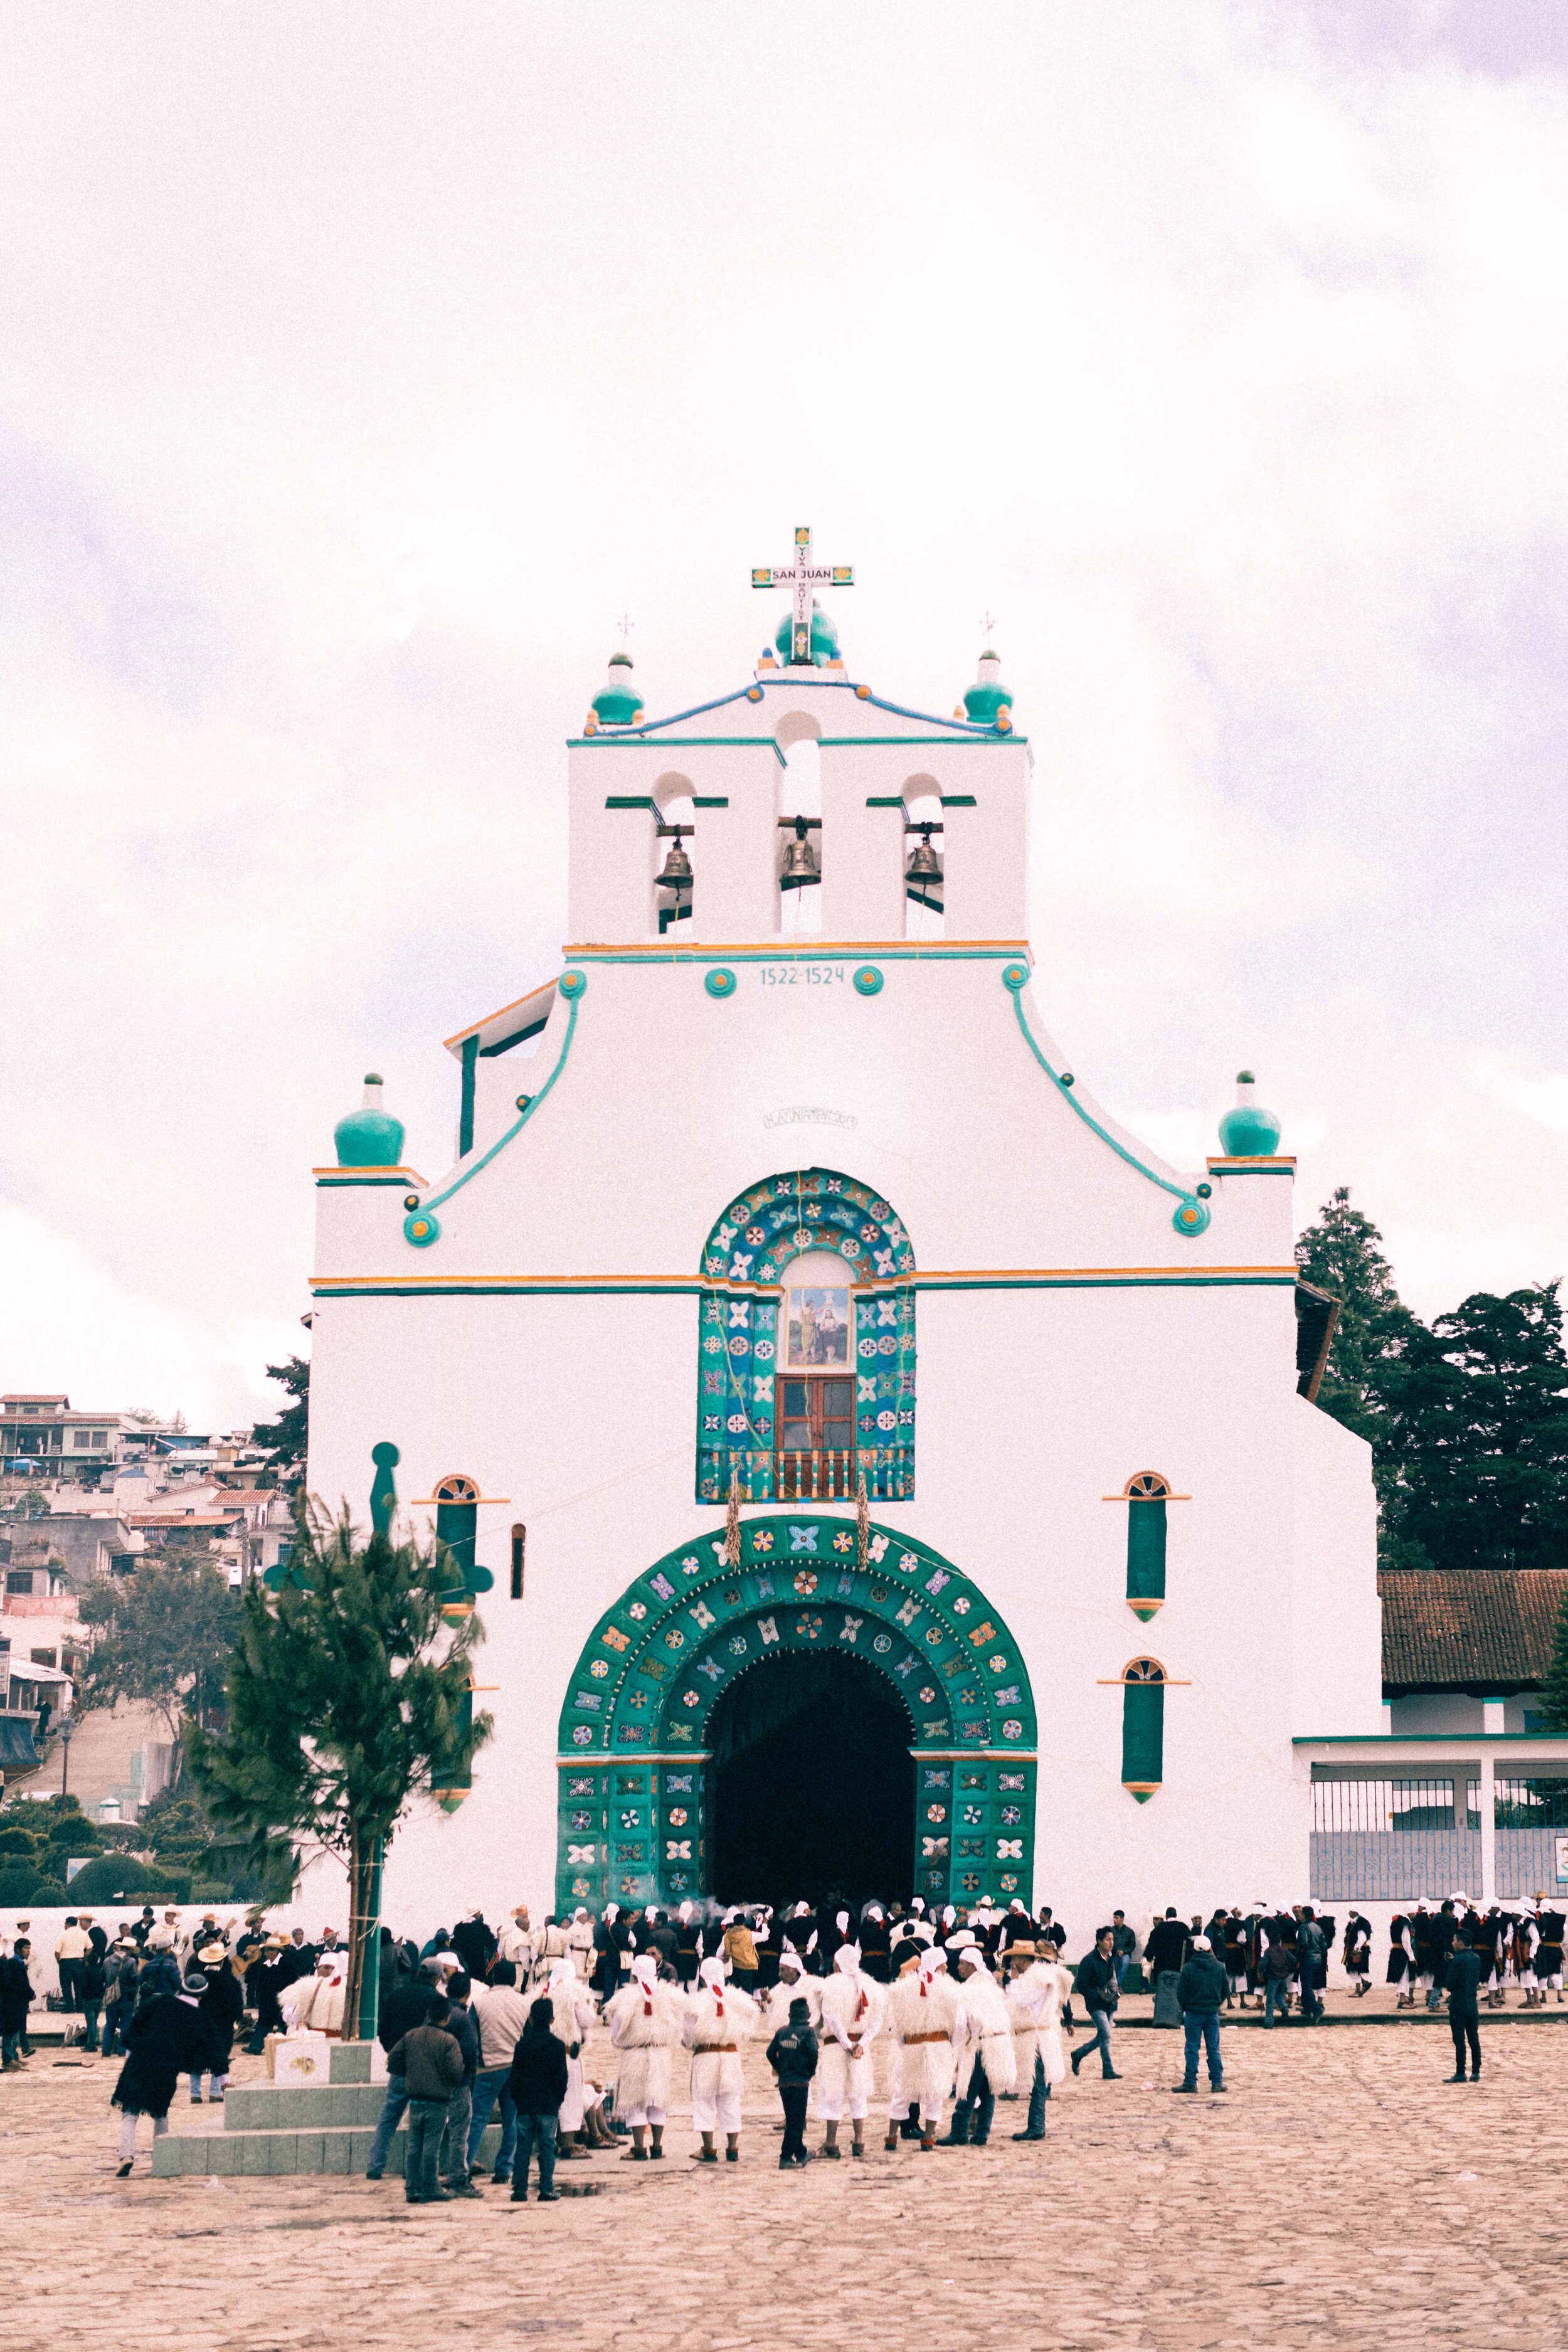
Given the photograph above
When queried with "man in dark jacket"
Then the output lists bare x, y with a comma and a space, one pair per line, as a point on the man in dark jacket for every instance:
1097, 1982
538, 2085
410, 2006
265, 1980
1201, 1988
1279, 1971
220, 2010
162, 2043
464, 2028
475, 1944
791, 2054
297, 1957
1310, 1955
91, 1982
431, 2067
1463, 1974
659, 1937
1165, 1951
15, 2000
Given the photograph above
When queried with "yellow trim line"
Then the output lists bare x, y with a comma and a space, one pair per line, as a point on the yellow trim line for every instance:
694, 1282
805, 948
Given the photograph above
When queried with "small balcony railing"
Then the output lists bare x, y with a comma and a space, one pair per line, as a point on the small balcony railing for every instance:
820, 1474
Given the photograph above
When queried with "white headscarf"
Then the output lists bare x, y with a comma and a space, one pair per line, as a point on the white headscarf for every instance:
933, 1959
846, 1959
712, 1974
790, 1958
562, 1971
645, 1969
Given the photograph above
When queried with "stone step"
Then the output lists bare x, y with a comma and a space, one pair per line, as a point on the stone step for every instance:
281, 2107
179, 2154
357, 2062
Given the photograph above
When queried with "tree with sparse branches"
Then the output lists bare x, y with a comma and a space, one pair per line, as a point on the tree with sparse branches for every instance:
349, 1694
163, 1635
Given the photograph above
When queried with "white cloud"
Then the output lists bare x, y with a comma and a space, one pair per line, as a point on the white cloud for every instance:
363, 373
71, 1328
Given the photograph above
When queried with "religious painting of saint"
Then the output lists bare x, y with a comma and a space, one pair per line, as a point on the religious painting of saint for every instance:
819, 1326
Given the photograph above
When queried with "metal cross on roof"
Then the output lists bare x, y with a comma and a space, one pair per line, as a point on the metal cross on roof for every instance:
800, 578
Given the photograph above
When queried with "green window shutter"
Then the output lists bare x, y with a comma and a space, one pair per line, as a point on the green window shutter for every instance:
453, 1778
1146, 1555
1142, 1738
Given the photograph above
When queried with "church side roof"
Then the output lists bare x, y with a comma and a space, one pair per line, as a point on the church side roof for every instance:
1486, 1631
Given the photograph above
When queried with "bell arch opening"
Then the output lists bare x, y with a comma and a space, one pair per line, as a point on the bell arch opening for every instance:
811, 1783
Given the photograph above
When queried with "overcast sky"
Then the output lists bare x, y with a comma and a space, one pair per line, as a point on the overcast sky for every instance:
364, 363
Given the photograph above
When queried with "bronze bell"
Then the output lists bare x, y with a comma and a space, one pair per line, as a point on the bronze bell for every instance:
676, 875
800, 867
924, 866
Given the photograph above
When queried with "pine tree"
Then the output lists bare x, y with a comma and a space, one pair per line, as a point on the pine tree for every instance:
348, 1694
1375, 1340
1554, 1689
289, 1435
1482, 1432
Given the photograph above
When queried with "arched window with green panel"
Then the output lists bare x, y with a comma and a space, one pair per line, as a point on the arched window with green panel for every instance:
1143, 1728
1147, 1495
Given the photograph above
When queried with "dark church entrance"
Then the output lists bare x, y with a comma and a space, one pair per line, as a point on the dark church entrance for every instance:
811, 1783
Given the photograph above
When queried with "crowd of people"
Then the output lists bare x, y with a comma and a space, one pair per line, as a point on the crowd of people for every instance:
972, 2004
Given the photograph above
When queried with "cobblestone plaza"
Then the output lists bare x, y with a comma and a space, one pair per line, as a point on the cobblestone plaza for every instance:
1342, 2192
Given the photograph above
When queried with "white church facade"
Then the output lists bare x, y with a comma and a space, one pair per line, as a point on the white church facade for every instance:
779, 1206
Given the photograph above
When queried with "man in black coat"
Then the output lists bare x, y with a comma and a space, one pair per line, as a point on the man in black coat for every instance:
1463, 1970
1442, 1931
538, 2085
15, 2000
218, 2014
265, 1980
475, 1944
876, 1944
298, 1957
1165, 1951
163, 2041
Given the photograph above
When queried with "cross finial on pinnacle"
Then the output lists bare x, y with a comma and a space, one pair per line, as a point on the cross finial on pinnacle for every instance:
625, 624
801, 577
987, 623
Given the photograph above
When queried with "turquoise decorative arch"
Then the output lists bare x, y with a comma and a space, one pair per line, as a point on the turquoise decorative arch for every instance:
633, 1756
744, 1261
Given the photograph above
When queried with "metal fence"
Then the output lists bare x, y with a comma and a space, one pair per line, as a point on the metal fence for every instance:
1527, 1862
1402, 1807
1379, 1840
1381, 1866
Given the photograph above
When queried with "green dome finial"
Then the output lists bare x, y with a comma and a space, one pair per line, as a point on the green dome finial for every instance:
1248, 1132
988, 703
619, 704
369, 1137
